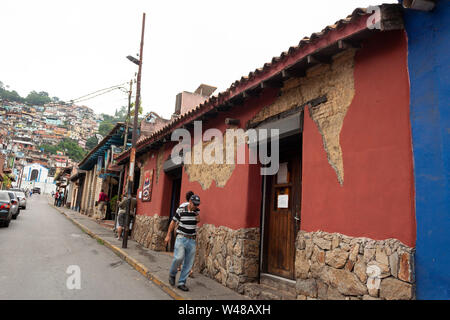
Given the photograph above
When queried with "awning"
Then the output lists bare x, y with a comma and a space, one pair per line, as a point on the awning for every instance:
77, 176
114, 137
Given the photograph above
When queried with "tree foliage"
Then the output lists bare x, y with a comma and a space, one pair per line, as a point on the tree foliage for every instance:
9, 95
33, 98
38, 98
105, 127
91, 143
69, 146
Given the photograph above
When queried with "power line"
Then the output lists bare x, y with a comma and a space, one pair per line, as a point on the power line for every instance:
100, 92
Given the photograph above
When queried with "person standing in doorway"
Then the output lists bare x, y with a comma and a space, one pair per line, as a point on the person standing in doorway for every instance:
184, 253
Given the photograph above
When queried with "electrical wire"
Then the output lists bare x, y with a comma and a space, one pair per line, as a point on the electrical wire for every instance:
88, 98
100, 92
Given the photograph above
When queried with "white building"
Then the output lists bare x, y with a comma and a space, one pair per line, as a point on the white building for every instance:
36, 175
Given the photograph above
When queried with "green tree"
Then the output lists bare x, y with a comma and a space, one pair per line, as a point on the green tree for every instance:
91, 143
105, 127
36, 98
9, 95
68, 146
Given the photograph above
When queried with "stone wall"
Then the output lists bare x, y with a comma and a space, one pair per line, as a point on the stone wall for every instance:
150, 231
229, 256
334, 266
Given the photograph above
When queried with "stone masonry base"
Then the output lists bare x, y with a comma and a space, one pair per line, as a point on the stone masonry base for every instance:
150, 231
231, 257
334, 266
327, 266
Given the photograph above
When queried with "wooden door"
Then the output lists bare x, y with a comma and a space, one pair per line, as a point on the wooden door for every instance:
282, 216
174, 203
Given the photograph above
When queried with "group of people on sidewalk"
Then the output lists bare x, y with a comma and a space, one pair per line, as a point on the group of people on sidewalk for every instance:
59, 198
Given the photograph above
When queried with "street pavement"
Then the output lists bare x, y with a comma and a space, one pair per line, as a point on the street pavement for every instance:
39, 248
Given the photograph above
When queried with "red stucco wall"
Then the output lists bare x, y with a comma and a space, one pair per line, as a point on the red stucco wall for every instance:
237, 204
376, 200
161, 189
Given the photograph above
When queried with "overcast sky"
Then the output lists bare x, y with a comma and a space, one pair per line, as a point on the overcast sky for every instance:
72, 48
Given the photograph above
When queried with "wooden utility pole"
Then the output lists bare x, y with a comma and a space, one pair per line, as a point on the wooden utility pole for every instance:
134, 138
125, 140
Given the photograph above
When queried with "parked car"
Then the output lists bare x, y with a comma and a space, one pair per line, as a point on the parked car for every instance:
25, 192
22, 199
5, 209
15, 209
37, 190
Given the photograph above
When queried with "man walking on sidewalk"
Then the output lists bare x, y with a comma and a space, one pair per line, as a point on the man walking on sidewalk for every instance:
184, 253
102, 202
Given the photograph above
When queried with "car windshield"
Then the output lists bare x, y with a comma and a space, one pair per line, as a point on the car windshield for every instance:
4, 196
20, 194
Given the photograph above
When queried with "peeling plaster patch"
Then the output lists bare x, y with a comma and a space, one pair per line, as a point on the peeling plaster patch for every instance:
336, 81
204, 173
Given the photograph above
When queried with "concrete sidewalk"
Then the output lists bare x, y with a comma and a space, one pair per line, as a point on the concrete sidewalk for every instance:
154, 265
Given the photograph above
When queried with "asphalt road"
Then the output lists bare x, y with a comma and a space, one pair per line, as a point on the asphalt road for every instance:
39, 248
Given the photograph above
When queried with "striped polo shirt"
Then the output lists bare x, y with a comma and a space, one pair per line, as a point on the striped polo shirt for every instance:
187, 220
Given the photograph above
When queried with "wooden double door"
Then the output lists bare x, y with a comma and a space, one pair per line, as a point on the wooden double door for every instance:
282, 211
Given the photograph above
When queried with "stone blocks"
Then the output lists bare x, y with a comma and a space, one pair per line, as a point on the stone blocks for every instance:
334, 266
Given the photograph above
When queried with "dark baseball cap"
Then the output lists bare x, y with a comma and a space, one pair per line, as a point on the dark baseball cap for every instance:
195, 199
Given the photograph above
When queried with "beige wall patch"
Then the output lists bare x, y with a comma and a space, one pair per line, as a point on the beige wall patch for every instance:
336, 82
205, 173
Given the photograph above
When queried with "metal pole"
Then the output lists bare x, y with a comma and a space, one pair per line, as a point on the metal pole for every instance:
134, 138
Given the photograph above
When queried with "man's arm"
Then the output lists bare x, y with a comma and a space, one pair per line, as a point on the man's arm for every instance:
169, 232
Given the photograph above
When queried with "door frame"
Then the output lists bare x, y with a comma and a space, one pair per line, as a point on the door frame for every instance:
175, 177
266, 188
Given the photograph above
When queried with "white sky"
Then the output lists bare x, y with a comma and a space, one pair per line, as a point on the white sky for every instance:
72, 48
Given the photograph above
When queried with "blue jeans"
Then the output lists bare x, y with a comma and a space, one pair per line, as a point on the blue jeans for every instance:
184, 252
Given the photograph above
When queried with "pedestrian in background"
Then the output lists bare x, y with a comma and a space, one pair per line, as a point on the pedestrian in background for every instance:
122, 213
184, 253
61, 199
56, 198
102, 202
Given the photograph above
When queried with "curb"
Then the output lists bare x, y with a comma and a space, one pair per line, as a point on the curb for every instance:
124, 256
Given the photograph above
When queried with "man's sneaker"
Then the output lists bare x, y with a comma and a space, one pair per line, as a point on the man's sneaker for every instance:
172, 281
183, 287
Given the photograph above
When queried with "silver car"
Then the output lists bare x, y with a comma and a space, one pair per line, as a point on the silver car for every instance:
22, 199
15, 210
